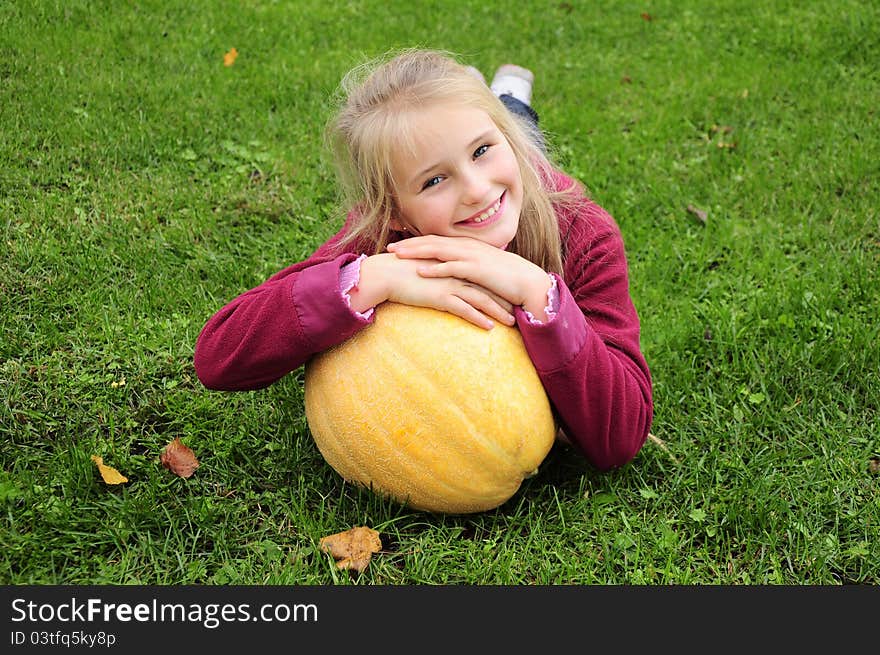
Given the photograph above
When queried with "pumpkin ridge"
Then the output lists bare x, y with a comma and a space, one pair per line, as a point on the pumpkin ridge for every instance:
455, 404
368, 466
468, 485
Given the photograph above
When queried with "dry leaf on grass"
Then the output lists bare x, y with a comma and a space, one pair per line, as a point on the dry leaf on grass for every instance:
230, 57
700, 214
179, 459
353, 548
110, 474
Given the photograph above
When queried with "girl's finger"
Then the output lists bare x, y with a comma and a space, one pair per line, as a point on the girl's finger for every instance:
416, 252
465, 310
503, 303
488, 304
428, 248
446, 269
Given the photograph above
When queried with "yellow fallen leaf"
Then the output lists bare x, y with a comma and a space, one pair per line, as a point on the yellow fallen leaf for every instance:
229, 57
110, 474
353, 548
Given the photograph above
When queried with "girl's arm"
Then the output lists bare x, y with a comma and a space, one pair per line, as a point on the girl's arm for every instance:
271, 330
588, 356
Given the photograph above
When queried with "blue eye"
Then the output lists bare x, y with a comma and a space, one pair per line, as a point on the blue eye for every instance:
434, 180
479, 152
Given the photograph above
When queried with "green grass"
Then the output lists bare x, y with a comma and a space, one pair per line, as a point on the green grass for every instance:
143, 184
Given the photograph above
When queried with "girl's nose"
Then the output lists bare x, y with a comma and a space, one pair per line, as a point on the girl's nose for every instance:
476, 187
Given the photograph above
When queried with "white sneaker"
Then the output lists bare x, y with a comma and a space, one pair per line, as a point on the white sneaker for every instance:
515, 81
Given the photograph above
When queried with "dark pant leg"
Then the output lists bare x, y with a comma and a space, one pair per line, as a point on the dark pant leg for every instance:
518, 108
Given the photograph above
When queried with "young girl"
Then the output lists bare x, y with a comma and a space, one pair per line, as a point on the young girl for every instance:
455, 206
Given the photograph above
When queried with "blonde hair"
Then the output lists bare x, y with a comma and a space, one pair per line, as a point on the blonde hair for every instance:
369, 125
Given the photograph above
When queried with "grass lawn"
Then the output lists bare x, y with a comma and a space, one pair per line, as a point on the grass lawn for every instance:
143, 184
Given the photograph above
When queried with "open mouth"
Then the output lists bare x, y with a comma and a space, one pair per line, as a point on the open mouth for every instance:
488, 215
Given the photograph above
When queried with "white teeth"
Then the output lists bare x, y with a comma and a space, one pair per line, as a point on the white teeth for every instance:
488, 213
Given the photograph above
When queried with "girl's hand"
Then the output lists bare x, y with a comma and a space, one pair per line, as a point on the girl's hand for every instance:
388, 277
505, 274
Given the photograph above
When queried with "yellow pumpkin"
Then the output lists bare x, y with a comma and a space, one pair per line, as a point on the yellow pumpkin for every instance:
431, 410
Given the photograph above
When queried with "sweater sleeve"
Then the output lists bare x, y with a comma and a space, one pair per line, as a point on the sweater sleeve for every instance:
588, 356
272, 329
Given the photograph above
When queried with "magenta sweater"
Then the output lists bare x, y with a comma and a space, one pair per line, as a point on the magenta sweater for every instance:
587, 356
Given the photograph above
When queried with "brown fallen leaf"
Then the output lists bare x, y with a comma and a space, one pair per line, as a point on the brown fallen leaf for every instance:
352, 549
699, 213
110, 474
179, 459
230, 57
874, 465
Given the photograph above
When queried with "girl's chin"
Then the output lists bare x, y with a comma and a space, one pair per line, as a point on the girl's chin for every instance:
502, 239
498, 235
500, 244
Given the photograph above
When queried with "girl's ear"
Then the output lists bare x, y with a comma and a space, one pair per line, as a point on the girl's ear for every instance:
395, 222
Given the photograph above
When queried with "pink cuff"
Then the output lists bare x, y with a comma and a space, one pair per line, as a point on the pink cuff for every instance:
552, 304
349, 276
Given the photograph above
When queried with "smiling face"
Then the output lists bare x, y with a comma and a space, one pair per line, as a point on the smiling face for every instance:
459, 177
